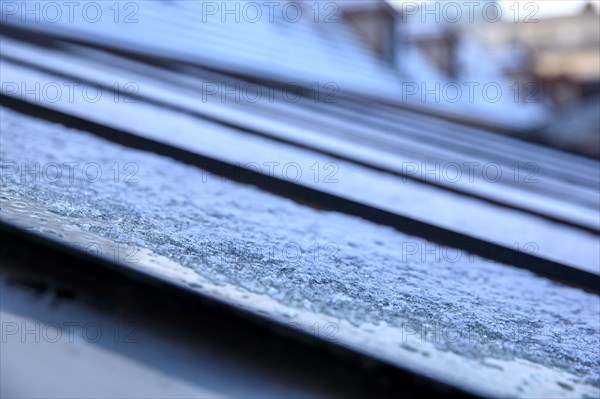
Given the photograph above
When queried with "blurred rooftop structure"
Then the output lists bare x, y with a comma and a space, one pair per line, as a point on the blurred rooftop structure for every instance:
559, 49
541, 65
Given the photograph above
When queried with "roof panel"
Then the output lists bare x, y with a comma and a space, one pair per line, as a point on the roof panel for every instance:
258, 251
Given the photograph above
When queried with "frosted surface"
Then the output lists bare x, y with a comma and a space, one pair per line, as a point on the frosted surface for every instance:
520, 230
508, 332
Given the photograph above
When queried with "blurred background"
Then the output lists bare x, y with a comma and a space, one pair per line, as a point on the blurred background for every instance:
543, 52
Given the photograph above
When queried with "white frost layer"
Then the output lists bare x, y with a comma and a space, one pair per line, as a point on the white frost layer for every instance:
464, 311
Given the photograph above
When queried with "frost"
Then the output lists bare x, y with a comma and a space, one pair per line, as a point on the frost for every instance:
236, 235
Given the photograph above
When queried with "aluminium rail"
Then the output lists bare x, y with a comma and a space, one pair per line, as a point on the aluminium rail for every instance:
35, 262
